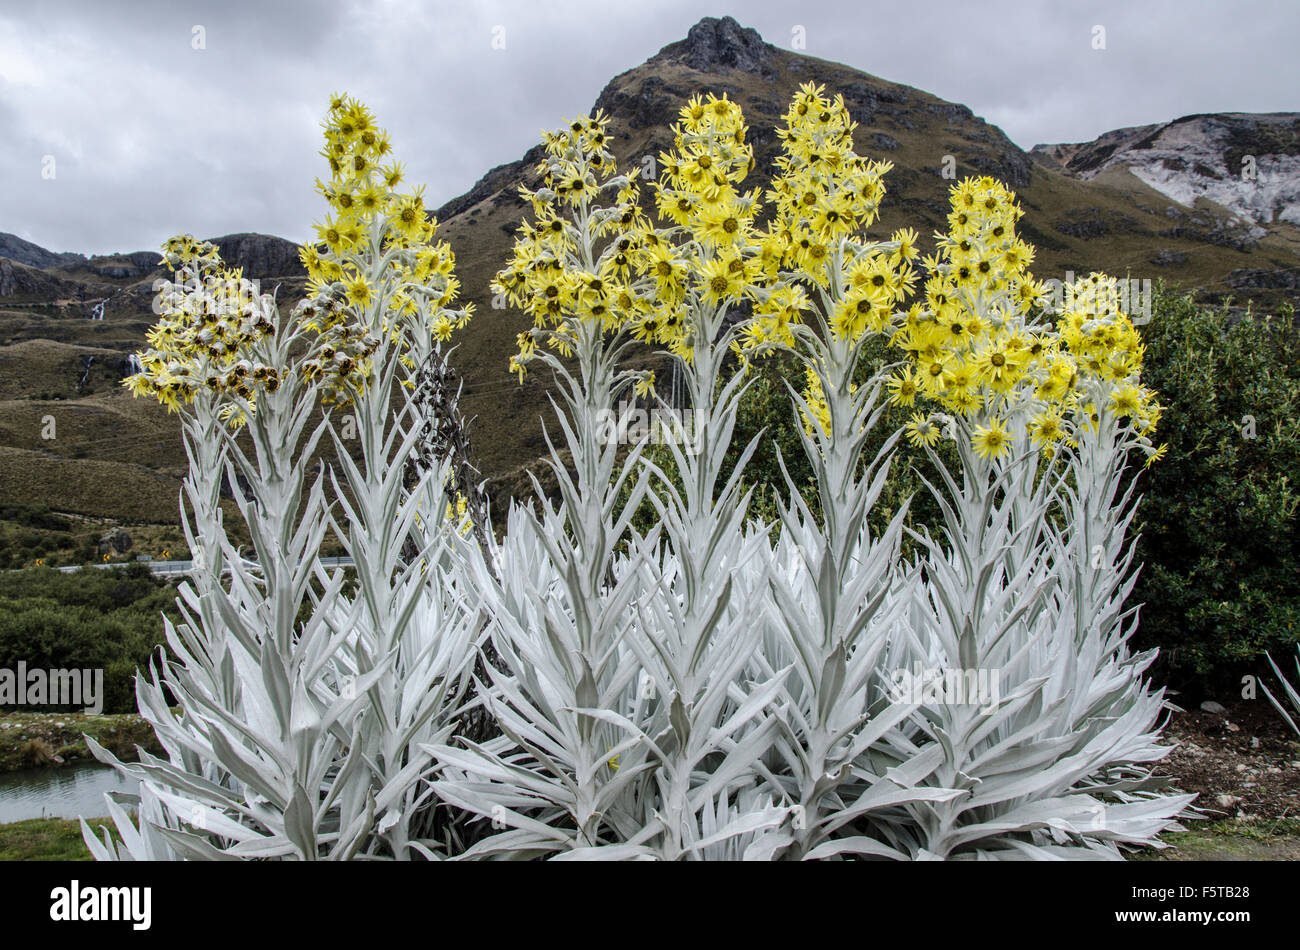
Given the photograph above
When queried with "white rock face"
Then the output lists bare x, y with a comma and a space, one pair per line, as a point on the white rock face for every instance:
1185, 160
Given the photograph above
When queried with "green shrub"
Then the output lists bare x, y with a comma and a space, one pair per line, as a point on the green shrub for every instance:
34, 516
109, 619
1220, 537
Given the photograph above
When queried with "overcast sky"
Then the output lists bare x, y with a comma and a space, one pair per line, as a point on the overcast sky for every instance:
150, 136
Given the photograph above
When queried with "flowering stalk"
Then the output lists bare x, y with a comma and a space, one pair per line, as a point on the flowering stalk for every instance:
192, 349
703, 629
1113, 418
834, 291
307, 742
560, 603
258, 735
386, 279
1008, 598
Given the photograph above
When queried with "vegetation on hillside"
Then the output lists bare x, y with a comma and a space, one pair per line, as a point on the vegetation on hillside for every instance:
33, 739
109, 619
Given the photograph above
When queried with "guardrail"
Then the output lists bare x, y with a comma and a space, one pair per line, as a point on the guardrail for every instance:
174, 568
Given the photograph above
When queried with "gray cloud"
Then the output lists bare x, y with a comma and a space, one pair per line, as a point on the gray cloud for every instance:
150, 135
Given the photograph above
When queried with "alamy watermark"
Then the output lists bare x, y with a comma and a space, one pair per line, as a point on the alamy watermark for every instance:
1135, 296
934, 686
629, 424
55, 687
77, 902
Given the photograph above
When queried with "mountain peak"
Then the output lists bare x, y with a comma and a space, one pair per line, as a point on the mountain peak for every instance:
715, 43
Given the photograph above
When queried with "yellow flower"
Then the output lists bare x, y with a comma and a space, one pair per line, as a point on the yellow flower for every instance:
774, 315
960, 377
907, 250
408, 216
861, 311
834, 217
999, 365
932, 374
992, 440
334, 236
1045, 427
359, 291
923, 430
903, 388
393, 174
962, 399
724, 224
1126, 400
719, 282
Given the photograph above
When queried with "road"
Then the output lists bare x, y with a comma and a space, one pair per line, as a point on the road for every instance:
178, 568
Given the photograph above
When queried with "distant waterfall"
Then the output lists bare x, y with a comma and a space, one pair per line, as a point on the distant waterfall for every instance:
97, 311
133, 365
90, 360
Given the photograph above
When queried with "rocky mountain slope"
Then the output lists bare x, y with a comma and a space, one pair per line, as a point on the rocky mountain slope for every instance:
1246, 164
1085, 210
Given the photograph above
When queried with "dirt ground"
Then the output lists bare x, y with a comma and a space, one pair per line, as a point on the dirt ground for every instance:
1243, 763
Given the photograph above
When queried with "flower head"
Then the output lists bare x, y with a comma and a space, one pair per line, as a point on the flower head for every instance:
579, 257
992, 440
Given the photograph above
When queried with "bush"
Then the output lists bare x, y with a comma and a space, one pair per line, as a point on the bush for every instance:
94, 619
34, 516
703, 693
1220, 536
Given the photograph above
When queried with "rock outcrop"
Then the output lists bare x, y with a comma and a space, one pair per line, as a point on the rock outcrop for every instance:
713, 45
1248, 164
262, 256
